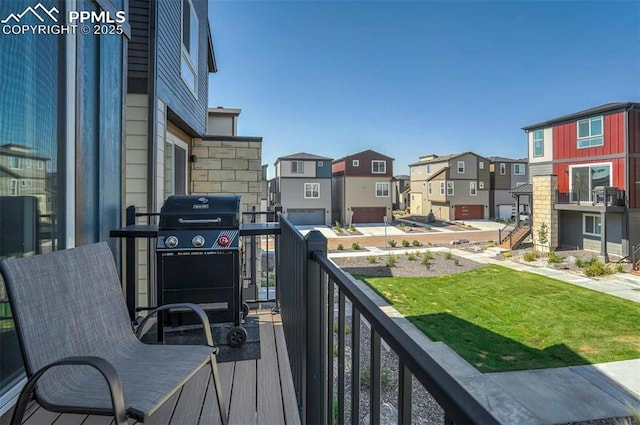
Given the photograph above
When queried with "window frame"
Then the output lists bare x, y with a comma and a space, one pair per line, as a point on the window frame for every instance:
13, 187
299, 167
430, 188
481, 165
591, 137
589, 166
596, 218
189, 55
320, 163
473, 188
480, 185
518, 165
429, 169
443, 190
355, 163
503, 168
460, 168
451, 185
14, 163
381, 185
536, 141
377, 161
311, 190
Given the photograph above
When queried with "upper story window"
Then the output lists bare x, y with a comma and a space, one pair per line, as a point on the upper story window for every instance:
14, 163
13, 189
481, 165
320, 164
450, 188
356, 163
429, 168
430, 188
590, 132
378, 167
40, 165
518, 169
473, 190
27, 163
382, 190
481, 184
460, 167
441, 188
297, 167
312, 190
538, 143
503, 168
189, 57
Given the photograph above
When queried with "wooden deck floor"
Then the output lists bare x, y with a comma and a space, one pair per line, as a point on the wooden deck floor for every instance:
256, 391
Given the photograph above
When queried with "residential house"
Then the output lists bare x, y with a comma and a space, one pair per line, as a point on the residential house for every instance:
453, 187
506, 175
303, 188
361, 188
400, 188
589, 161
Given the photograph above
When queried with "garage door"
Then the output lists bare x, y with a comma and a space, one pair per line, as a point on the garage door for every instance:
368, 214
306, 216
465, 212
505, 212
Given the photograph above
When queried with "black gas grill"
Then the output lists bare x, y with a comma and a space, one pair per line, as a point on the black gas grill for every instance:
198, 252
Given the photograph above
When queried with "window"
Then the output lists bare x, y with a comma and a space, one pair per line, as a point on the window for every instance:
583, 179
189, 62
481, 185
473, 190
441, 188
176, 166
481, 165
13, 190
378, 167
429, 168
538, 143
382, 190
297, 167
320, 164
356, 163
591, 225
450, 188
518, 169
40, 165
503, 168
590, 132
430, 188
14, 163
460, 167
27, 163
24, 183
312, 190
518, 184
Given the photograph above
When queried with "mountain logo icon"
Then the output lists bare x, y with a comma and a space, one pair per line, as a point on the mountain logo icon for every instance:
39, 11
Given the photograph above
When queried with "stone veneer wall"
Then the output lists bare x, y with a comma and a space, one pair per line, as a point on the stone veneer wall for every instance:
544, 198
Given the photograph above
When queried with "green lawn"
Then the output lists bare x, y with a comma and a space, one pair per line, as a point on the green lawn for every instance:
499, 319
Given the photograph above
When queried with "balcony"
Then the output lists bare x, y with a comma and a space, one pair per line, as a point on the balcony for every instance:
601, 199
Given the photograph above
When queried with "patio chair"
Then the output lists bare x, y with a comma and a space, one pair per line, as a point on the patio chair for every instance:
78, 344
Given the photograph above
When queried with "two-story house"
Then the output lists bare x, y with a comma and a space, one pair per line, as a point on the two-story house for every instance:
400, 187
361, 188
453, 187
303, 188
593, 157
506, 175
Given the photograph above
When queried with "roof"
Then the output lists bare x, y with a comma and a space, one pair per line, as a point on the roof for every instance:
402, 177
607, 107
442, 170
211, 56
525, 189
503, 159
444, 158
360, 153
304, 156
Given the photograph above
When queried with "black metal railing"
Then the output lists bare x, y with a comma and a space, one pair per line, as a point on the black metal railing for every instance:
314, 294
606, 196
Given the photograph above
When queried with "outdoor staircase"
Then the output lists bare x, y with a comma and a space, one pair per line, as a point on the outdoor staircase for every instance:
515, 237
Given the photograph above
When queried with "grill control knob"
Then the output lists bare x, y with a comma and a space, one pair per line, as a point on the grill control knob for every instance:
171, 242
197, 241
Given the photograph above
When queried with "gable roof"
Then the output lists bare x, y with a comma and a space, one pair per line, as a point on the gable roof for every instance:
607, 107
525, 189
363, 152
445, 158
304, 156
442, 170
503, 159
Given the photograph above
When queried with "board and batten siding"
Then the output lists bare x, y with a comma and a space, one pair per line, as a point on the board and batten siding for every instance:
171, 88
617, 172
566, 139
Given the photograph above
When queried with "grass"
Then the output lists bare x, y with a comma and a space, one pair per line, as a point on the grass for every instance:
499, 319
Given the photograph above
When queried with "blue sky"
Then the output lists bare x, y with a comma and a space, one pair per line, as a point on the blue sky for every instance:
408, 78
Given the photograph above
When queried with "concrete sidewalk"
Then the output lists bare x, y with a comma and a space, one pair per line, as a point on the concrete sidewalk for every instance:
542, 396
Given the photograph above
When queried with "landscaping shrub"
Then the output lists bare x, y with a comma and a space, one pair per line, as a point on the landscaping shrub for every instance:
352, 228
405, 243
372, 259
416, 243
391, 261
340, 247
411, 256
401, 225
554, 258
355, 246
490, 245
597, 268
579, 263
347, 329
365, 378
392, 243
506, 255
456, 262
531, 255
619, 268
428, 255
448, 255
337, 228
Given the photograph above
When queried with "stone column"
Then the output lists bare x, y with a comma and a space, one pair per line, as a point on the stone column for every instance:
544, 212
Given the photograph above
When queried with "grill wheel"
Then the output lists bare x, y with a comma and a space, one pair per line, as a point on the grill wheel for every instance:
237, 336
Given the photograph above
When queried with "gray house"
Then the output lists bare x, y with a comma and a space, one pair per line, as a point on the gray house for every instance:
303, 188
507, 175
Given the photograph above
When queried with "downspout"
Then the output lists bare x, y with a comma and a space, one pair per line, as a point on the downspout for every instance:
627, 187
152, 113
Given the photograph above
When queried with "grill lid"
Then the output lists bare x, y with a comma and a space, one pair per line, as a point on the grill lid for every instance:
200, 212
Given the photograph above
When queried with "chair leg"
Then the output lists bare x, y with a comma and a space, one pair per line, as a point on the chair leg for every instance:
224, 416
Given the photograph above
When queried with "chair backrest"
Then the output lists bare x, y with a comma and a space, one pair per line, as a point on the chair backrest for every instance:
66, 303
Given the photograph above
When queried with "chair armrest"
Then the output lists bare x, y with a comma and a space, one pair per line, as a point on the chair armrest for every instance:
104, 367
199, 311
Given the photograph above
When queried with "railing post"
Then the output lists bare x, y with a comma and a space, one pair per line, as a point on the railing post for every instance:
316, 332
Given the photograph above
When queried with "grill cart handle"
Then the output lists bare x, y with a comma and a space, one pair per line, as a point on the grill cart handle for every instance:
199, 221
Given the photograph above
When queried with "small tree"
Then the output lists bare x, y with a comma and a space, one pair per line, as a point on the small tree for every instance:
543, 236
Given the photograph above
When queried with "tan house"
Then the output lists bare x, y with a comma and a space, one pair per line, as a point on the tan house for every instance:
453, 187
361, 188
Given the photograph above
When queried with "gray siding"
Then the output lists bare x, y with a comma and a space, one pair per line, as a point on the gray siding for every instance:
171, 89
634, 228
138, 50
325, 170
540, 170
292, 195
570, 233
337, 198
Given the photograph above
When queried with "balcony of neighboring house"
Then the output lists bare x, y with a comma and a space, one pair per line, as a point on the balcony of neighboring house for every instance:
309, 318
600, 199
